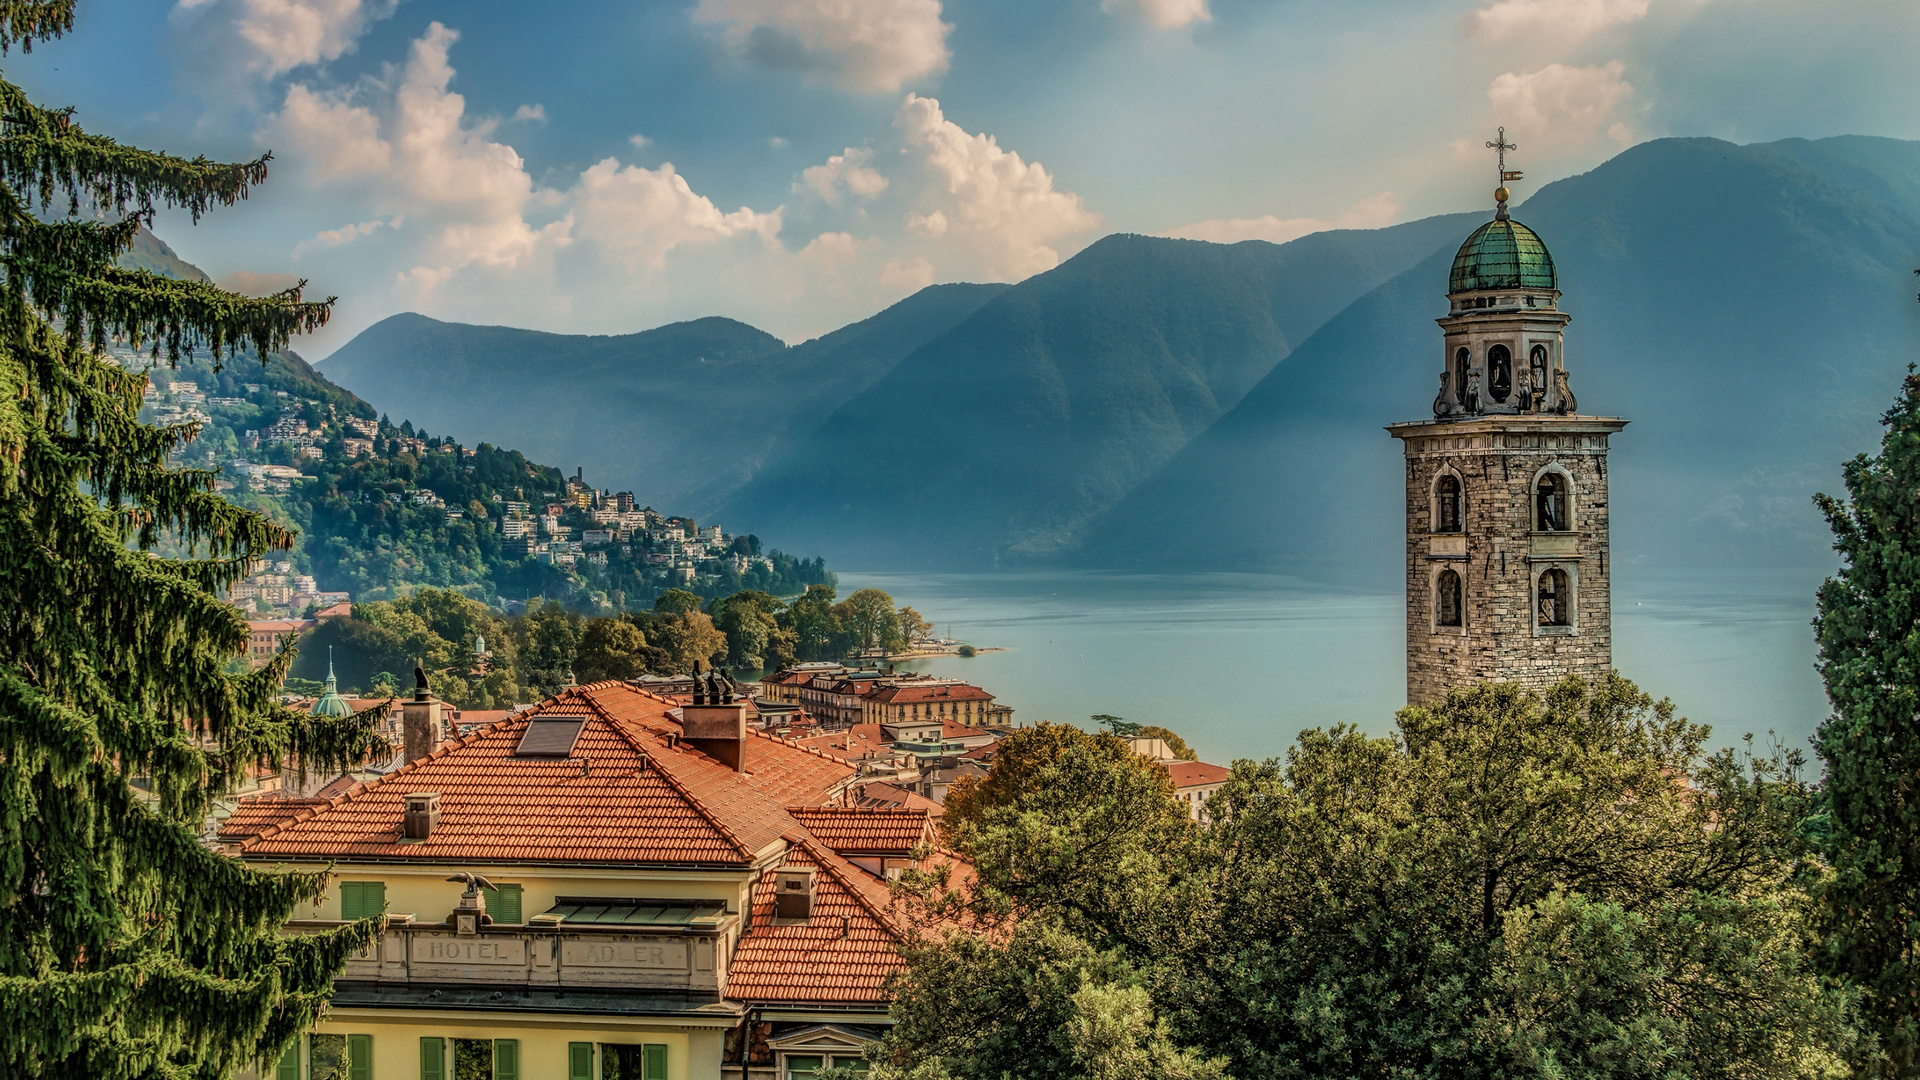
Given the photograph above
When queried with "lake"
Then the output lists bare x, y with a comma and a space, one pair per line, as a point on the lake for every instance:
1239, 663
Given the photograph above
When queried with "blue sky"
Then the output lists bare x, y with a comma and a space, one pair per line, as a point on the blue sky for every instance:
606, 167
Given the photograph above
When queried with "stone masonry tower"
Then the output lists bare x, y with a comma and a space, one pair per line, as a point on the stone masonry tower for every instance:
1507, 561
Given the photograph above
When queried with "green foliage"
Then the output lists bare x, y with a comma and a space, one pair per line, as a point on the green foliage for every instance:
435, 627
1510, 886
548, 639
127, 947
1869, 634
615, 649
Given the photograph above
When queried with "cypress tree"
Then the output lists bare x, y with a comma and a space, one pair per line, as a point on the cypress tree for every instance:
128, 948
1869, 637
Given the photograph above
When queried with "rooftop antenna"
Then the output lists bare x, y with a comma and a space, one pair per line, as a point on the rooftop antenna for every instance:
1500, 146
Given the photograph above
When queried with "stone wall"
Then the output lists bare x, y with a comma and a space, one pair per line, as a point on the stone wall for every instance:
1500, 555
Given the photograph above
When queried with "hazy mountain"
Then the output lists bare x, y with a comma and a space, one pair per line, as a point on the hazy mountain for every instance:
679, 415
150, 253
1749, 308
1006, 435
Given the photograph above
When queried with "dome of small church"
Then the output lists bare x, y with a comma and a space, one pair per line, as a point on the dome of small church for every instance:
1502, 254
331, 703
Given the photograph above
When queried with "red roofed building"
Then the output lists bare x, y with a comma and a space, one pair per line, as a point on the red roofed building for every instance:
661, 895
1193, 781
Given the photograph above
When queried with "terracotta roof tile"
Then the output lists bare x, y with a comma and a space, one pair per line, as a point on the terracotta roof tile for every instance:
845, 952
910, 693
251, 817
866, 830
628, 794
879, 794
1194, 773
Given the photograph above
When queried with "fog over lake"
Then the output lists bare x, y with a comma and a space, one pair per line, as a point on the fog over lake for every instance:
1239, 663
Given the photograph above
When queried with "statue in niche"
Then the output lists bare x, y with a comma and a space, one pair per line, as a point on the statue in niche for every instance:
1564, 393
1472, 400
1442, 406
1526, 395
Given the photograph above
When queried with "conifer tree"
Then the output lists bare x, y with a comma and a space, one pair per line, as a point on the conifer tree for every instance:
1869, 634
127, 947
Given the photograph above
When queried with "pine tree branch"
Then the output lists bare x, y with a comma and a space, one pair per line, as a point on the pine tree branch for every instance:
26, 21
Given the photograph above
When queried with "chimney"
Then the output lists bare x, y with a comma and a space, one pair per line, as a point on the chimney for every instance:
793, 894
423, 813
420, 719
715, 724
718, 731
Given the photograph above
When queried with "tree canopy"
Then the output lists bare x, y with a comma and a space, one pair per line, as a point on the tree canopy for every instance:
1509, 885
128, 948
1869, 636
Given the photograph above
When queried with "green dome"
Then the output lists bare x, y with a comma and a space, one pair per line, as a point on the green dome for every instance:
331, 703
1502, 255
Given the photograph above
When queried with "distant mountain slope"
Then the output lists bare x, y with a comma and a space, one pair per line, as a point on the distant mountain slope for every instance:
680, 414
1749, 308
150, 253
1003, 437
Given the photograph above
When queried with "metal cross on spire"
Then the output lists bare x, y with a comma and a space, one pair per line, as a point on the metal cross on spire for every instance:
1500, 146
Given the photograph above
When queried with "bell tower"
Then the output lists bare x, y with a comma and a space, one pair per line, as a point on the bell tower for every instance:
1507, 514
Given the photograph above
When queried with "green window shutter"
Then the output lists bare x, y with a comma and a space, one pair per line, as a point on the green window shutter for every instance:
579, 1061
289, 1067
653, 1065
503, 903
506, 1059
433, 1059
359, 1057
362, 899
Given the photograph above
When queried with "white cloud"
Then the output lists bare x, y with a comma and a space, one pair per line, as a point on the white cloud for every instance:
264, 39
346, 234
637, 216
618, 246
1561, 105
1370, 213
849, 170
906, 276
416, 154
1004, 213
639, 141
1161, 14
776, 142
1563, 20
862, 45
833, 251
534, 113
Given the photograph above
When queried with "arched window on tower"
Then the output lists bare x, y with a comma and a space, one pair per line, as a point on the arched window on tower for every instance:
1447, 508
1447, 599
1552, 509
1537, 375
1462, 363
1499, 372
1556, 598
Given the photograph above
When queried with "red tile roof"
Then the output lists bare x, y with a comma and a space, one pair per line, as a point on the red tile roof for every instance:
844, 953
858, 741
630, 793
1188, 774
910, 693
251, 817
849, 830
879, 794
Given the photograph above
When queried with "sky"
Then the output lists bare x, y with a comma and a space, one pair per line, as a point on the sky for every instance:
602, 167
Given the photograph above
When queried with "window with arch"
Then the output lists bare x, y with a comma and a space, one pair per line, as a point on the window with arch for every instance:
1499, 372
1448, 601
1556, 598
1552, 504
1537, 372
1462, 362
1449, 511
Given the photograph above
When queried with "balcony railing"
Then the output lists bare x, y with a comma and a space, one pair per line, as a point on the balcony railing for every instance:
536, 957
